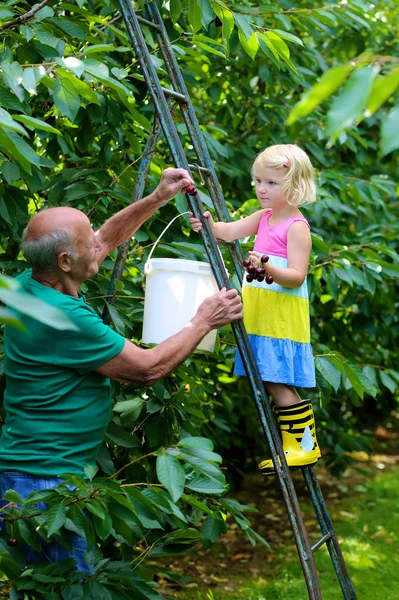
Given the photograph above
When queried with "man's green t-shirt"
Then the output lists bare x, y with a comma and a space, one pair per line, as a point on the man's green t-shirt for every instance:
57, 407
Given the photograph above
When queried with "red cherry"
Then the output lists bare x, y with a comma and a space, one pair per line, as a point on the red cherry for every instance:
269, 279
191, 190
260, 272
260, 278
264, 258
12, 542
251, 270
249, 278
246, 263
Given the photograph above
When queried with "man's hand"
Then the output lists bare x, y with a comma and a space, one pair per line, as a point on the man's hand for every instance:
220, 309
172, 181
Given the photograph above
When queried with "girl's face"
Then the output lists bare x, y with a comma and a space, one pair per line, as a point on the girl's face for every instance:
268, 187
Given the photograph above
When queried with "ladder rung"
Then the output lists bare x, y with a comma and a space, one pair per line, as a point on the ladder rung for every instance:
173, 94
149, 23
202, 169
321, 541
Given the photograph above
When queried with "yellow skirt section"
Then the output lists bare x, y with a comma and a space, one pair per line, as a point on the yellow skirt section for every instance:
276, 315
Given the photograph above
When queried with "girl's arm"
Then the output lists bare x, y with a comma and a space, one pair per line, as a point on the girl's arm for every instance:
232, 230
299, 245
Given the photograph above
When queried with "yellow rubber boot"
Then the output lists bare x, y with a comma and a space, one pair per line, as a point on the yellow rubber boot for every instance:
298, 432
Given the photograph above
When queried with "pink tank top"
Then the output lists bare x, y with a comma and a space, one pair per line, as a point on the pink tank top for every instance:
273, 239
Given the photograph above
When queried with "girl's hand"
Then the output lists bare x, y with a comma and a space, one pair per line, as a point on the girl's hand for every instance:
196, 223
255, 257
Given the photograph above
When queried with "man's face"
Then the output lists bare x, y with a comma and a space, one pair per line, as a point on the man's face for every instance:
86, 246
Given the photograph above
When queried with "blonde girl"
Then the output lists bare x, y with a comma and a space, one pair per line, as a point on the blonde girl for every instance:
276, 306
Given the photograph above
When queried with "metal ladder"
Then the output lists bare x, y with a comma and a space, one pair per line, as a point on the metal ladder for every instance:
165, 100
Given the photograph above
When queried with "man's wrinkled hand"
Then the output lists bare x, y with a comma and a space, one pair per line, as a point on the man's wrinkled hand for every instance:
172, 182
221, 308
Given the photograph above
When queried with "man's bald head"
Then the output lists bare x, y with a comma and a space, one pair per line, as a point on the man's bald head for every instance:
51, 232
46, 221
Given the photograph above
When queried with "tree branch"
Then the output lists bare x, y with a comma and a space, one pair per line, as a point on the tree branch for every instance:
26, 16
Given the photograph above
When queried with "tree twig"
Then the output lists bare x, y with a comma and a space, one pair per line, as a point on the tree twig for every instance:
25, 17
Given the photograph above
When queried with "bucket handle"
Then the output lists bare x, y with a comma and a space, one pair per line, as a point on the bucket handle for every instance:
147, 266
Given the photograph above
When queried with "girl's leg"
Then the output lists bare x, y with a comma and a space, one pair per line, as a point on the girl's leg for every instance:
283, 395
296, 421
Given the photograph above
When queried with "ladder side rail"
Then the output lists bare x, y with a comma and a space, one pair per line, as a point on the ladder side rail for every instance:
151, 77
289, 494
194, 129
137, 194
326, 527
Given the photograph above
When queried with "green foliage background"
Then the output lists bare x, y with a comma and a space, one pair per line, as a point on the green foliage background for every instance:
74, 118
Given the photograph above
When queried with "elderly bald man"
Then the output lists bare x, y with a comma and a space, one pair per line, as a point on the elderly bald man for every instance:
58, 394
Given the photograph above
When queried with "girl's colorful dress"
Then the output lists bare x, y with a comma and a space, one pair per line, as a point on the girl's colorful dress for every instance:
276, 318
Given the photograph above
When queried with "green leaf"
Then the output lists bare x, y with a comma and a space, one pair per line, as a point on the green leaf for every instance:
195, 14
193, 501
103, 526
90, 471
73, 64
72, 591
7, 121
127, 405
6, 12
197, 442
278, 44
12, 496
37, 309
352, 100
19, 149
175, 8
7, 317
287, 36
56, 517
323, 89
97, 70
11, 173
205, 485
33, 123
121, 437
13, 77
243, 25
171, 474
29, 80
250, 45
68, 27
27, 32
212, 529
382, 89
117, 321
66, 97
329, 371
388, 382
203, 465
390, 132
98, 49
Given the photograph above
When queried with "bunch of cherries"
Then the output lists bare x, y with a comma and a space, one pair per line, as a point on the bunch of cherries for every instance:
258, 273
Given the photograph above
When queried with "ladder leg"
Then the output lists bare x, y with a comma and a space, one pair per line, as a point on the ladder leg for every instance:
326, 527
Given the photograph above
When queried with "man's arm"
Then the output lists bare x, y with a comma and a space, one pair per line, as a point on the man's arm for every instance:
126, 222
145, 367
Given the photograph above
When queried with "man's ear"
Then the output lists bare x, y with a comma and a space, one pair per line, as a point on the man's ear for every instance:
64, 261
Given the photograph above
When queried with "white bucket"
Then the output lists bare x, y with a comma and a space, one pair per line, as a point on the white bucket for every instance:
174, 290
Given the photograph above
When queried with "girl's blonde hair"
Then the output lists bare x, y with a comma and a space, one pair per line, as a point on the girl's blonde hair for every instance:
299, 185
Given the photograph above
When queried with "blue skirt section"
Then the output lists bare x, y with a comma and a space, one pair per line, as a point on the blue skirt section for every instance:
281, 361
